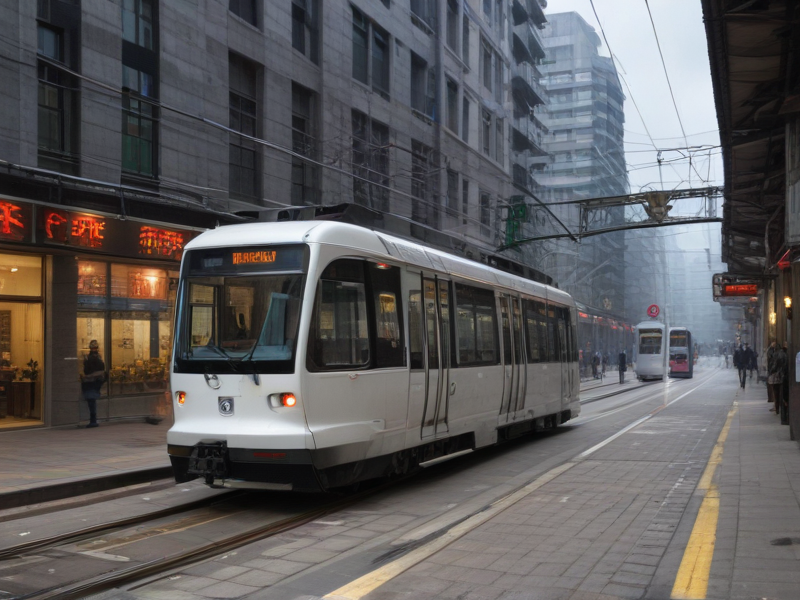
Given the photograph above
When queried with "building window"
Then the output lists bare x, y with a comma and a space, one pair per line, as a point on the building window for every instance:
423, 86
464, 201
305, 34
465, 110
365, 33
452, 192
137, 22
498, 78
139, 121
498, 141
486, 214
452, 106
452, 25
360, 45
370, 162
421, 203
499, 18
304, 174
486, 132
424, 11
487, 10
243, 171
465, 41
57, 107
245, 9
487, 58
380, 61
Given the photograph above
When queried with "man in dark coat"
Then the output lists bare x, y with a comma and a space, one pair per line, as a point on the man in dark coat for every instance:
94, 374
746, 359
623, 366
737, 363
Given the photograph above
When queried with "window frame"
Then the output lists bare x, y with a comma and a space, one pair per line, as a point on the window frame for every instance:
372, 293
462, 290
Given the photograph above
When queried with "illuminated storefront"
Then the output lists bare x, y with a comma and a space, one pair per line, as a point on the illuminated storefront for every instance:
69, 277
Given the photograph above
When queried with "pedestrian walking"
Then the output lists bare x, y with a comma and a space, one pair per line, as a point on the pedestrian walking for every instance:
746, 359
595, 363
738, 362
623, 366
94, 374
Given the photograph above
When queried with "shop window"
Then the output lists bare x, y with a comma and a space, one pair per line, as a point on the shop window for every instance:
138, 282
92, 279
21, 338
126, 309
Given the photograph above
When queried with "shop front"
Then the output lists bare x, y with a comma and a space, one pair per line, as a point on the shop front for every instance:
67, 278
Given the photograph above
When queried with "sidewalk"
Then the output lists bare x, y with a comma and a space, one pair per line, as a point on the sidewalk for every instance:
758, 537
50, 464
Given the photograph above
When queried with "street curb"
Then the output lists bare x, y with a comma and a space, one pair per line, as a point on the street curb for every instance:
79, 487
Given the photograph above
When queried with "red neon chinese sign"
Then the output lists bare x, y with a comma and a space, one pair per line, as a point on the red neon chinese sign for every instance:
12, 222
160, 242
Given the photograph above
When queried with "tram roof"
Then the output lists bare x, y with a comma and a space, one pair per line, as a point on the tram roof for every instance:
376, 243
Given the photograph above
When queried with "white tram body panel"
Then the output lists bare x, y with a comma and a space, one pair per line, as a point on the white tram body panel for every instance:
447, 390
650, 348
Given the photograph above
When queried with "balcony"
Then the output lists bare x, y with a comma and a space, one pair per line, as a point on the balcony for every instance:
525, 83
527, 136
528, 37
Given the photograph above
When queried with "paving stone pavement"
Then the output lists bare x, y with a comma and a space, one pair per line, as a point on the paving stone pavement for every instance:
614, 526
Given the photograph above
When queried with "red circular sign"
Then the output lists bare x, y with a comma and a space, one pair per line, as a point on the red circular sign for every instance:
653, 310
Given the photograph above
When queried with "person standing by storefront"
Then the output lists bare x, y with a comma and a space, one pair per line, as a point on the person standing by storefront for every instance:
94, 374
775, 380
623, 366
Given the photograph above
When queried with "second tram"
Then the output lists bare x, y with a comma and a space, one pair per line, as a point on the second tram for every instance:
681, 363
650, 350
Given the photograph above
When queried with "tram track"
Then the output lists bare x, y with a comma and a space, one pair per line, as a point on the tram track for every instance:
145, 570
86, 532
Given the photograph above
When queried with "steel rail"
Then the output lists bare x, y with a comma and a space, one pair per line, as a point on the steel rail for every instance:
80, 534
106, 581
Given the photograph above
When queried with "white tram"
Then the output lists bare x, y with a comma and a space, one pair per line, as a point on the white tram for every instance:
312, 355
650, 350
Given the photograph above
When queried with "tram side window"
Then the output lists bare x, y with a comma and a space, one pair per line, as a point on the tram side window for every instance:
476, 326
553, 345
339, 336
537, 331
385, 287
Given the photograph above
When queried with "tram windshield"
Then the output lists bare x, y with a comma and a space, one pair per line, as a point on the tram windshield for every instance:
677, 339
241, 317
650, 341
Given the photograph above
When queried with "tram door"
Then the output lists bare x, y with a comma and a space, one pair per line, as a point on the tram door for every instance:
437, 352
515, 379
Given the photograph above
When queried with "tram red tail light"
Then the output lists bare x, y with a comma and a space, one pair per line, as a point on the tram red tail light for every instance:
180, 397
288, 400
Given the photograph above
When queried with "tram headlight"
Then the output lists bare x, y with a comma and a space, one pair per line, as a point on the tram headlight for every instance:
282, 400
180, 398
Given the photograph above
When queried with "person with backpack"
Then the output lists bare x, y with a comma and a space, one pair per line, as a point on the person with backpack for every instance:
94, 375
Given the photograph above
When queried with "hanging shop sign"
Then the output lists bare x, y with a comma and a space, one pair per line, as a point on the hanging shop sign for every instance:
727, 285
653, 310
43, 225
